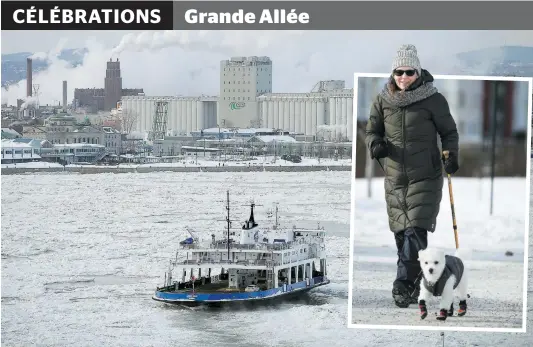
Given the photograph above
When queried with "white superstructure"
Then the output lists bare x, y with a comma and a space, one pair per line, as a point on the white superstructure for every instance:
266, 257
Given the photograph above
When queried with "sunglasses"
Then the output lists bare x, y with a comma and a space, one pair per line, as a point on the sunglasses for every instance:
407, 72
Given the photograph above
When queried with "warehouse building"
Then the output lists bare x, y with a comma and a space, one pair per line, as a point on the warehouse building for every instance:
326, 113
184, 114
246, 101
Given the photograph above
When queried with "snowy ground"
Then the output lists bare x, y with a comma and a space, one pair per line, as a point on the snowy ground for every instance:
260, 161
496, 281
81, 255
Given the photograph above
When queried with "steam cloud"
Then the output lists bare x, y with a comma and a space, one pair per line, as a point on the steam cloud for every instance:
30, 101
233, 42
187, 62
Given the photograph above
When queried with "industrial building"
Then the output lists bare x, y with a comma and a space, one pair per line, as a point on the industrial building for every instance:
242, 80
104, 99
29, 108
183, 114
326, 112
246, 101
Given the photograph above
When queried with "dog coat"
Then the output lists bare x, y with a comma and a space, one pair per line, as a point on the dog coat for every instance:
454, 266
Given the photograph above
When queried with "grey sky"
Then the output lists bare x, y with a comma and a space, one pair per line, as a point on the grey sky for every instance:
187, 63
32, 41
17, 41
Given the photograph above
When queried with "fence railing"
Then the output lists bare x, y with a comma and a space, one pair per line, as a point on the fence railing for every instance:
252, 262
258, 246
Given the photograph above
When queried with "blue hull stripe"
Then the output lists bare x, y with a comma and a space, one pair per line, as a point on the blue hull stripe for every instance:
246, 296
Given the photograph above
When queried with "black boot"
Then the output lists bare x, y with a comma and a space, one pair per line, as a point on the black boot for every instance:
406, 286
402, 293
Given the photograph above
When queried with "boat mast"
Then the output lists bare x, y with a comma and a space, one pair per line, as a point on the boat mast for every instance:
228, 220
276, 216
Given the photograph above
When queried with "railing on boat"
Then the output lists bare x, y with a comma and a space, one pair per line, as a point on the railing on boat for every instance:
258, 246
261, 262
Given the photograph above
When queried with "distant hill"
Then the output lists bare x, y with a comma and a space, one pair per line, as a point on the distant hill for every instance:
14, 64
509, 54
505, 60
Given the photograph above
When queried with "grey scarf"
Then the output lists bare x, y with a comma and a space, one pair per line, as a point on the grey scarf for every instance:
409, 96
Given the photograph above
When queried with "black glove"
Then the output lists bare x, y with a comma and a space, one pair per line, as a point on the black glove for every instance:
379, 149
451, 164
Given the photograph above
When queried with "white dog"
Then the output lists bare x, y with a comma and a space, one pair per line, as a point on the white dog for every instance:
443, 275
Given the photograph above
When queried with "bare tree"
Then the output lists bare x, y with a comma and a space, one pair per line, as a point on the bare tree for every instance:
127, 120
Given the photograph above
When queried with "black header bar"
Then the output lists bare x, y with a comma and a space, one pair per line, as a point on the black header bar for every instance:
87, 15
266, 15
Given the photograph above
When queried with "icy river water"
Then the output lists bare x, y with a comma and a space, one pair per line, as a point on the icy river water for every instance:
82, 254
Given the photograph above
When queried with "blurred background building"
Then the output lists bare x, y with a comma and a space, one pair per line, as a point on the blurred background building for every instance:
479, 107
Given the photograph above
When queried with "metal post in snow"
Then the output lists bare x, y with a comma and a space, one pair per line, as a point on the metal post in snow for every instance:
493, 154
369, 164
369, 168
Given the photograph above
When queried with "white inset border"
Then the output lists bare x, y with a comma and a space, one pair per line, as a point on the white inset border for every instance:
527, 208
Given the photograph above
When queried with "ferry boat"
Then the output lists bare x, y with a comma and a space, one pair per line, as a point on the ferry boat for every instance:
253, 263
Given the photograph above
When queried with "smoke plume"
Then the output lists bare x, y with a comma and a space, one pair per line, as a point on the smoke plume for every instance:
187, 62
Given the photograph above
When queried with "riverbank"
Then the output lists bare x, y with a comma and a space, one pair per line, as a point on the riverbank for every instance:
160, 168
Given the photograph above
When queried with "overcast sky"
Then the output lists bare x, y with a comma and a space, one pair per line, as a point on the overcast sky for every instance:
187, 63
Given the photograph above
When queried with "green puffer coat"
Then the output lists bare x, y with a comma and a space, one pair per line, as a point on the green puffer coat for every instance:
413, 167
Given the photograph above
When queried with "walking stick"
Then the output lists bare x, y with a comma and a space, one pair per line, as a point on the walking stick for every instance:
446, 155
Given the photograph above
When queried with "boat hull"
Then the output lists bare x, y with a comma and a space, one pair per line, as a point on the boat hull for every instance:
216, 299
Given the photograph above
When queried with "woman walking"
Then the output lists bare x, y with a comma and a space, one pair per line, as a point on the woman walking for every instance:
405, 119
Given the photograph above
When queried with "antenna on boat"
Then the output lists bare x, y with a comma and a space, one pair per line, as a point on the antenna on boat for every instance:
277, 220
228, 220
276, 223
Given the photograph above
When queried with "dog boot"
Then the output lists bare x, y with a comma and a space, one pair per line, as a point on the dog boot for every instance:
450, 311
462, 308
442, 315
423, 309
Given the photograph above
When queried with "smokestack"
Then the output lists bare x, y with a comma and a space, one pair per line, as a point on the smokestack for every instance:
29, 76
65, 95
